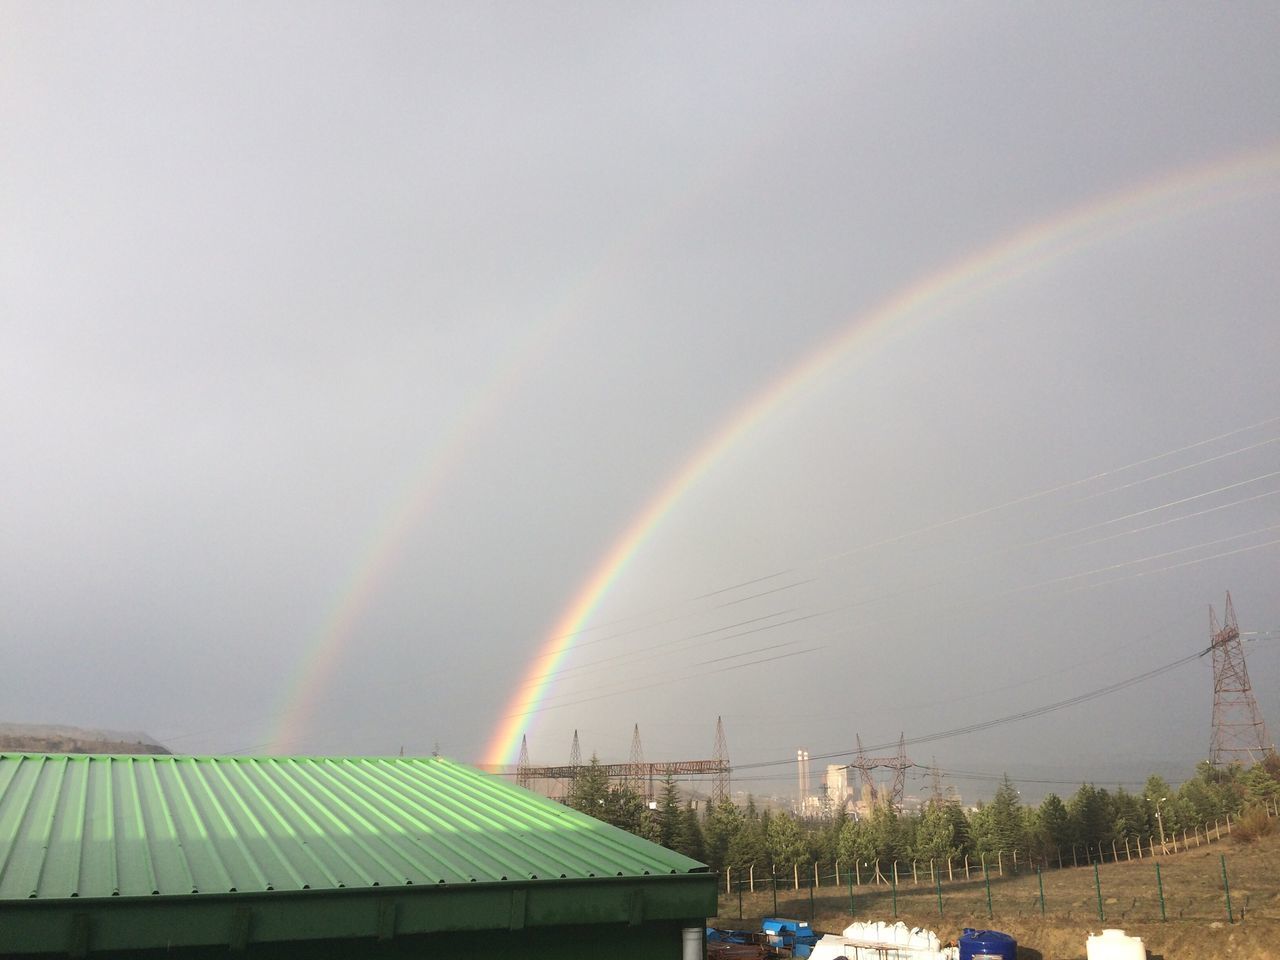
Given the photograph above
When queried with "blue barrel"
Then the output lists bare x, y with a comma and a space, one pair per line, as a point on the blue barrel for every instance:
987, 945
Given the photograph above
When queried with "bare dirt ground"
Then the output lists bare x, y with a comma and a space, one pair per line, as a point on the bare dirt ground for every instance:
1196, 923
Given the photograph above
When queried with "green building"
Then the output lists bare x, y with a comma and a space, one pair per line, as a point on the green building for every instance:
150, 856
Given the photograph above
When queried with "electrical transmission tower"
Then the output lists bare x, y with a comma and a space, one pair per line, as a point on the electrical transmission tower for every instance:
637, 764
636, 774
575, 752
937, 798
522, 762
898, 763
864, 765
1238, 731
720, 787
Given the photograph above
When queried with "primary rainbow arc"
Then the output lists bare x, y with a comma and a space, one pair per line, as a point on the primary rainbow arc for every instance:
994, 265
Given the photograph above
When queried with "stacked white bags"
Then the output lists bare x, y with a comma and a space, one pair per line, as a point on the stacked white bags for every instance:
882, 941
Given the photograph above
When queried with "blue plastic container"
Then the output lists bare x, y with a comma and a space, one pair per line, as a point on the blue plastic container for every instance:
987, 945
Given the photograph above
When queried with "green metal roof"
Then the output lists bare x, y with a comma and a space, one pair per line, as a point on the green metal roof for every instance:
89, 827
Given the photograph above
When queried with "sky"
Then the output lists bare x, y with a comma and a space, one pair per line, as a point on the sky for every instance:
425, 376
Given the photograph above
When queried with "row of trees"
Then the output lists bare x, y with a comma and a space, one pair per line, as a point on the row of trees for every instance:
735, 836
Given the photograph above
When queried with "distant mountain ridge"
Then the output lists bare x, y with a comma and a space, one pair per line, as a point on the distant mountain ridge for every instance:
52, 738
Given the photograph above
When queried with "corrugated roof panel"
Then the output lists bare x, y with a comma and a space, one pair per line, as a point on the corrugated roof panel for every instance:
102, 826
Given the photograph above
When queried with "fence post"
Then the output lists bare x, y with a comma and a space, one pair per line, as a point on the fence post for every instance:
837, 871
938, 885
987, 877
751, 878
1098, 886
1074, 861
1115, 857
966, 866
857, 873
1040, 877
1160, 890
852, 906
1228, 824
932, 873
1059, 858
1000, 861
895, 888
1127, 855
950, 876
914, 882
739, 899
1226, 887
795, 875
728, 888
817, 881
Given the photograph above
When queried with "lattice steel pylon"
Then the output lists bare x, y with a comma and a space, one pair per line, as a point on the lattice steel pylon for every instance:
899, 764
720, 788
1238, 731
575, 752
864, 765
937, 798
637, 763
522, 762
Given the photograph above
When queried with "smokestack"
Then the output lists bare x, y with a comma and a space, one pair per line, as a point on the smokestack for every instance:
802, 778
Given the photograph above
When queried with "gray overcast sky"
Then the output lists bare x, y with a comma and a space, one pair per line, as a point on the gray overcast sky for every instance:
339, 344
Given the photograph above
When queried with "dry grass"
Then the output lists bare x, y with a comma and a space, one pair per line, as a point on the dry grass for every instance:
1253, 824
1195, 905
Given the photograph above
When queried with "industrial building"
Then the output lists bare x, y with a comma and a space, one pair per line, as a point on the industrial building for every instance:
114, 856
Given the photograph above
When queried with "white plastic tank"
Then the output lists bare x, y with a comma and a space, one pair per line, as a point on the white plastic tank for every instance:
694, 942
1114, 945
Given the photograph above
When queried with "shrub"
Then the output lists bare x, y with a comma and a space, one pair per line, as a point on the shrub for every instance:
1253, 822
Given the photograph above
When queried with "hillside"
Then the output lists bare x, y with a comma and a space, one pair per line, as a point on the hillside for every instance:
1197, 924
49, 738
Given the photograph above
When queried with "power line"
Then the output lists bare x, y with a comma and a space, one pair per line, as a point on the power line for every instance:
1000, 721
961, 518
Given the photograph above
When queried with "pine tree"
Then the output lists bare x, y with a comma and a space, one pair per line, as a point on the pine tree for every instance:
590, 789
1056, 823
934, 836
688, 838
724, 822
748, 847
786, 843
669, 814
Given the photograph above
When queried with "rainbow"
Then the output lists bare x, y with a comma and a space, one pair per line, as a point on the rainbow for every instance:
418, 495
1004, 261
385, 546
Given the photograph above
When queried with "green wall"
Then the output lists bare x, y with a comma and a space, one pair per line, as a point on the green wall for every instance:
649, 941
